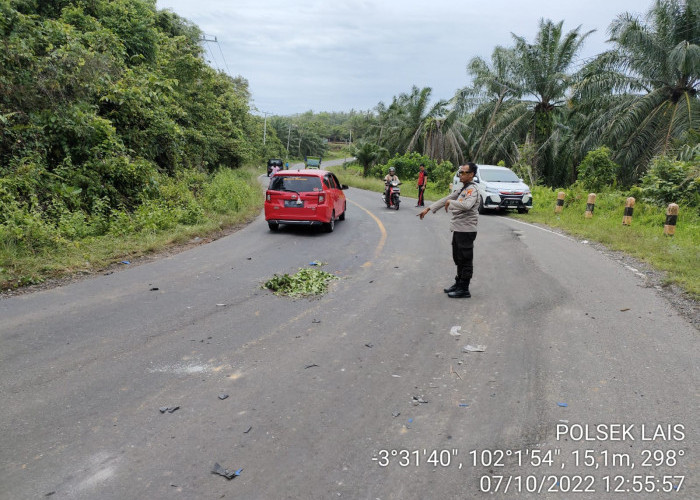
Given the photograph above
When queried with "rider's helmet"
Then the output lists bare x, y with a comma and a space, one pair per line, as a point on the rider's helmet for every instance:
392, 170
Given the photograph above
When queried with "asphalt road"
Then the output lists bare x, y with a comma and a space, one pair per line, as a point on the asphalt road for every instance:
362, 393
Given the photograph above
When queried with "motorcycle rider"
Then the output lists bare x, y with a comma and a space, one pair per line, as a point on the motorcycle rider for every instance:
390, 177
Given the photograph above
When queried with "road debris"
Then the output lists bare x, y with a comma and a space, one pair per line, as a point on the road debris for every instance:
223, 396
454, 331
563, 405
153, 289
168, 409
247, 430
305, 282
418, 400
225, 472
369, 344
310, 366
395, 413
474, 348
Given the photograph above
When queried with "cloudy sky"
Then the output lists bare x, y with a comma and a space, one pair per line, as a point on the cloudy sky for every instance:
338, 55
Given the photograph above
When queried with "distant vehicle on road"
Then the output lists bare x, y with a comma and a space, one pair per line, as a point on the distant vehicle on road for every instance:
305, 197
313, 161
272, 162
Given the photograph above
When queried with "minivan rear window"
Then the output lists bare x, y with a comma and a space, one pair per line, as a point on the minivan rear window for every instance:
300, 184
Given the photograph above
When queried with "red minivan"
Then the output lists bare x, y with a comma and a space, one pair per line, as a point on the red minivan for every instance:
306, 197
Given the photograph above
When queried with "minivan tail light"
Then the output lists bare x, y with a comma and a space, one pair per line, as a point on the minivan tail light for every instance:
321, 198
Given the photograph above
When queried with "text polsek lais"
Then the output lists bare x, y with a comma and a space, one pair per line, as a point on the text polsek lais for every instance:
621, 432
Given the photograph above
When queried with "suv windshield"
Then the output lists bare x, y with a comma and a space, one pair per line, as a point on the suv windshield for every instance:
300, 184
498, 175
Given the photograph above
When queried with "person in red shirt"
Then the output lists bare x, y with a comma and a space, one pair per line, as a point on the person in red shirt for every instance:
422, 179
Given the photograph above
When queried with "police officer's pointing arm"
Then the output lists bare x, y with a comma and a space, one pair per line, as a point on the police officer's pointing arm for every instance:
442, 202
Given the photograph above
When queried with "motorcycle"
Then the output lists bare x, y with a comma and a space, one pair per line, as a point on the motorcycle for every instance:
392, 198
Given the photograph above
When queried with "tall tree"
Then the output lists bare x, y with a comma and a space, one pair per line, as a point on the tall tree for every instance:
493, 88
644, 91
412, 123
529, 87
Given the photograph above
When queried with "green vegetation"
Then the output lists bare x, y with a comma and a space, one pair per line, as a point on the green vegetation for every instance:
304, 283
194, 206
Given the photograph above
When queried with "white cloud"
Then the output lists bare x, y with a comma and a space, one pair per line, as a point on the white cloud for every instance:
334, 56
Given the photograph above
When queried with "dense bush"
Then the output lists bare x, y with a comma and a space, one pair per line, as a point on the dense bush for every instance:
228, 192
672, 181
111, 121
597, 171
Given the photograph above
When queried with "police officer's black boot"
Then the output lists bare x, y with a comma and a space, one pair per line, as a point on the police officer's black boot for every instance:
461, 292
452, 288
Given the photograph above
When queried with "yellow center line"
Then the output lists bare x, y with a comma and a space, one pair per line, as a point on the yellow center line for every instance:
382, 229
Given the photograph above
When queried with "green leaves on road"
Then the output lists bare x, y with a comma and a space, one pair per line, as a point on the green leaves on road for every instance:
305, 282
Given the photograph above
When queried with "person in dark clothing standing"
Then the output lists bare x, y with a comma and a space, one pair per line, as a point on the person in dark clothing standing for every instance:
464, 206
422, 179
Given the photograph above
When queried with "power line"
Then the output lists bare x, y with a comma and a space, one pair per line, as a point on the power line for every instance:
222, 56
213, 39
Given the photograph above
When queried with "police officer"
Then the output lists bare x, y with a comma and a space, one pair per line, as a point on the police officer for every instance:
464, 206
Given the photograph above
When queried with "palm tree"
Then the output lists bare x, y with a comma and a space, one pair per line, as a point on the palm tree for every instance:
404, 117
529, 98
644, 91
410, 123
492, 88
367, 154
441, 138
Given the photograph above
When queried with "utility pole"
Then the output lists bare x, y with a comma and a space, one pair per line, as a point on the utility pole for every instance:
289, 133
265, 126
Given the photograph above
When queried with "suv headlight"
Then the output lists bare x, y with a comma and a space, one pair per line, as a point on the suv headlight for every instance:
491, 190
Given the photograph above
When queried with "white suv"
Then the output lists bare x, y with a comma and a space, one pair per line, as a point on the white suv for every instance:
499, 189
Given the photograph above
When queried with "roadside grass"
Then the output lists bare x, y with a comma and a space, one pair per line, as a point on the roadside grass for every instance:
336, 152
644, 239
21, 267
678, 256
